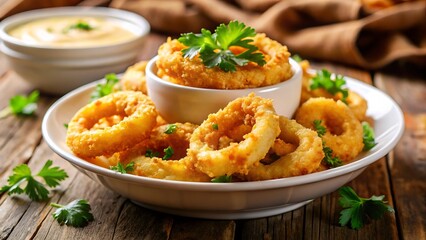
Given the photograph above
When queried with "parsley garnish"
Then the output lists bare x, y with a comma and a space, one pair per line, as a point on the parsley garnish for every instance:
34, 189
321, 130
171, 128
168, 153
297, 58
21, 105
81, 25
123, 169
222, 179
66, 125
215, 126
151, 154
328, 159
76, 213
213, 49
103, 89
358, 210
368, 136
333, 86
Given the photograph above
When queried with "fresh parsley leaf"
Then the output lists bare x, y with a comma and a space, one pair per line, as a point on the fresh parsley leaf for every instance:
151, 154
214, 51
333, 86
222, 179
76, 213
21, 105
297, 58
103, 89
123, 169
321, 130
34, 189
368, 136
215, 126
328, 159
358, 210
171, 128
66, 125
168, 153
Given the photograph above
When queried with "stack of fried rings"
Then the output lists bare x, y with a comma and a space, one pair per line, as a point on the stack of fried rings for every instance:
246, 139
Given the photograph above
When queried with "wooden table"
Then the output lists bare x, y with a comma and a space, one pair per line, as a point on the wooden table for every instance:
400, 176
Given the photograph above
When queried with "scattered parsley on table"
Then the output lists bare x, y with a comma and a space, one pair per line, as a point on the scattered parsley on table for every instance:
21, 105
358, 210
76, 213
34, 189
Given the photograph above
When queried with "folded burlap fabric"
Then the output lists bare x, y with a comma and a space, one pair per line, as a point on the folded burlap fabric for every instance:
345, 31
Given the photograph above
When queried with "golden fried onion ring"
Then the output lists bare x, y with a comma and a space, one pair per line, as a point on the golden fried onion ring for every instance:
178, 167
356, 103
134, 78
344, 133
173, 67
306, 158
237, 157
138, 119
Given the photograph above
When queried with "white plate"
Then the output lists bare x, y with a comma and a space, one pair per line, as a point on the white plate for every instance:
240, 200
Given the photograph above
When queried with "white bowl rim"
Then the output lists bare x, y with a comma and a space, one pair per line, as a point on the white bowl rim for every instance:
23, 17
234, 186
295, 67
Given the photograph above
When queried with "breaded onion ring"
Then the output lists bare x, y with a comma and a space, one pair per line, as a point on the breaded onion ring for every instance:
86, 138
134, 78
177, 167
356, 103
344, 133
216, 159
173, 67
306, 158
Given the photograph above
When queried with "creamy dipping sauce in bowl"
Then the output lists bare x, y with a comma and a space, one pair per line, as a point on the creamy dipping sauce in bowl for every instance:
73, 31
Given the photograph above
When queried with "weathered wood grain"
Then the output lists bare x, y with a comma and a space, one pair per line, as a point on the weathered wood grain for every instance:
407, 165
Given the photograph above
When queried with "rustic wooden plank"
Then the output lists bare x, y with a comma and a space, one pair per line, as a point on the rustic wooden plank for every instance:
407, 166
10, 7
32, 213
136, 222
191, 228
19, 139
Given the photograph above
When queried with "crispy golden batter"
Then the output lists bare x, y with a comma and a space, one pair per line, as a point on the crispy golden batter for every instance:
173, 67
111, 124
304, 159
344, 132
356, 103
214, 158
134, 78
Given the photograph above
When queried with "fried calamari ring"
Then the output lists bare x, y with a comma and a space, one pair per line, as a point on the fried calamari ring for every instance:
86, 139
344, 133
236, 157
148, 156
304, 159
173, 67
356, 103
134, 78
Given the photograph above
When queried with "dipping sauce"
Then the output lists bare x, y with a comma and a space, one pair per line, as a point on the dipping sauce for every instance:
73, 31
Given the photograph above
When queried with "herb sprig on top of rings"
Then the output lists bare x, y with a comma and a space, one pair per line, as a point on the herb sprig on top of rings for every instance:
214, 48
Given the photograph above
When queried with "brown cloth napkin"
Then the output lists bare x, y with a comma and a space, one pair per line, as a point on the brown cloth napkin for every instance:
345, 31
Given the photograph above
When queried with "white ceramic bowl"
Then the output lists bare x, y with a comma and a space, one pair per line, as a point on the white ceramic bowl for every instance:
58, 70
228, 200
178, 103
